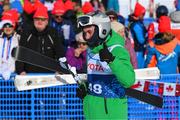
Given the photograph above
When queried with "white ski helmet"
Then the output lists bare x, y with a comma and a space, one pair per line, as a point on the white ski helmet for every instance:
98, 19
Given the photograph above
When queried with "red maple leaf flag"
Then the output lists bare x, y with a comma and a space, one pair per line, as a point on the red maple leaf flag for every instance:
146, 86
161, 88
139, 85
169, 89
177, 89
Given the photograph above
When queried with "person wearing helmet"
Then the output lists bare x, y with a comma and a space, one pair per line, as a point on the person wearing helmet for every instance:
161, 10
108, 67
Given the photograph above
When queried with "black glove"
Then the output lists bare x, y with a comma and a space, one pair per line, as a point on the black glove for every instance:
81, 91
105, 55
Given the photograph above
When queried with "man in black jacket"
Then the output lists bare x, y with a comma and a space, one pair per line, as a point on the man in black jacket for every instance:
40, 38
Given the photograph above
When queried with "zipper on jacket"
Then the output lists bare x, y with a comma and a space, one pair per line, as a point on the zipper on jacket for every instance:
105, 105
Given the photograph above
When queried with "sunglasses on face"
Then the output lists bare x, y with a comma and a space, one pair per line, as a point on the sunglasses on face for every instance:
8, 26
111, 17
40, 19
58, 16
82, 43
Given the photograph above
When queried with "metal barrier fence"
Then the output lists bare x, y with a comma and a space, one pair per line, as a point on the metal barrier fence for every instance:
171, 104
60, 103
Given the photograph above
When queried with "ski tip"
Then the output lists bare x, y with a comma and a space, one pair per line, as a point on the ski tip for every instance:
160, 101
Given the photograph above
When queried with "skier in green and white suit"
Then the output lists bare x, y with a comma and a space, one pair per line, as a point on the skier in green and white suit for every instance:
109, 70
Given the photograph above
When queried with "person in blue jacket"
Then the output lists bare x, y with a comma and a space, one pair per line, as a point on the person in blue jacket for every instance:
61, 21
138, 32
166, 49
113, 5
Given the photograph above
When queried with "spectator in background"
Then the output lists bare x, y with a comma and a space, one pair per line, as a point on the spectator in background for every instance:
87, 8
70, 19
29, 9
97, 5
115, 17
78, 8
68, 4
104, 2
166, 50
16, 5
6, 6
11, 15
153, 27
9, 39
41, 38
177, 4
138, 32
113, 5
1, 8
112, 15
121, 19
57, 20
76, 54
48, 4
121, 30
61, 15
175, 20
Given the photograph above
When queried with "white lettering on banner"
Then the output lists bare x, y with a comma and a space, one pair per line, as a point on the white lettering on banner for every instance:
95, 67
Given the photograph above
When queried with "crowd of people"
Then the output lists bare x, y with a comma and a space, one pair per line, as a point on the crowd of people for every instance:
53, 33
95, 39
50, 28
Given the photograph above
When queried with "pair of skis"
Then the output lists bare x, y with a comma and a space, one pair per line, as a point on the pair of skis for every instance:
32, 82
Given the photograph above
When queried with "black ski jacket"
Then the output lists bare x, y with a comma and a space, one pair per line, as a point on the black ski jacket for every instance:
46, 42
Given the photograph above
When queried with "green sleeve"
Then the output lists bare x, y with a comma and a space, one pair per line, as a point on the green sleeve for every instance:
122, 67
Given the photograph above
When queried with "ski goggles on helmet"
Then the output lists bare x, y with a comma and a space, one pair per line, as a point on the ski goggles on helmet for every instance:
84, 21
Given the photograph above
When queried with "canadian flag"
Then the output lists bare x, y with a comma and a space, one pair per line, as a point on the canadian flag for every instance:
169, 89
141, 85
177, 89
160, 88
164, 89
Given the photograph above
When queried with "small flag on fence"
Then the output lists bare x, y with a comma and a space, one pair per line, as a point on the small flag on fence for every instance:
169, 89
166, 89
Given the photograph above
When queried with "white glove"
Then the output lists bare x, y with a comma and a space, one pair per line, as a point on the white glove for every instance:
73, 69
63, 63
76, 77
